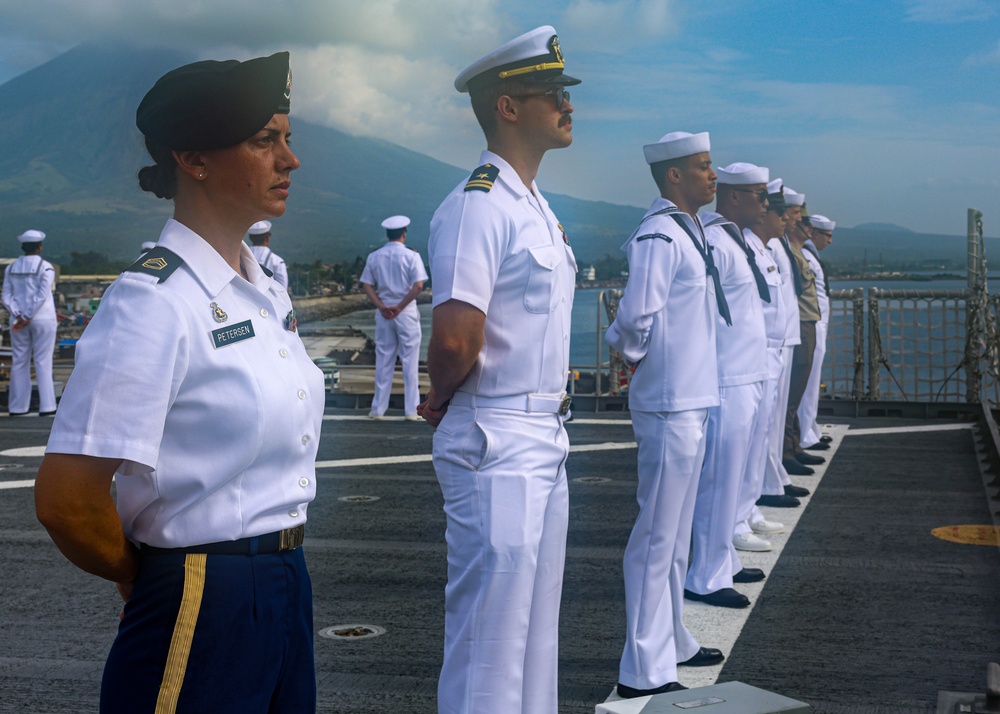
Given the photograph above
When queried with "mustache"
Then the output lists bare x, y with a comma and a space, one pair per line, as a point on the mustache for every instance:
566, 119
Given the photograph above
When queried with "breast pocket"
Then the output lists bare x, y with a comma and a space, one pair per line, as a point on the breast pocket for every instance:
541, 294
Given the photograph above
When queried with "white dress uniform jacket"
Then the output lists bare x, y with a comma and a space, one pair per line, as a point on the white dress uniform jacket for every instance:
667, 316
392, 270
273, 262
500, 451
211, 402
27, 291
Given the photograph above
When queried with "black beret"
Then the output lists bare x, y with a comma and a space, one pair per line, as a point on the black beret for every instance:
211, 105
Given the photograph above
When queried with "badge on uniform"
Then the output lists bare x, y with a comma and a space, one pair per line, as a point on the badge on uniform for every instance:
225, 336
291, 321
218, 313
565, 237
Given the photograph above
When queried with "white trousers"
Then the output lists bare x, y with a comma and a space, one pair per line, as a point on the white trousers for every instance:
775, 476
503, 477
810, 399
671, 452
401, 336
730, 426
38, 339
760, 444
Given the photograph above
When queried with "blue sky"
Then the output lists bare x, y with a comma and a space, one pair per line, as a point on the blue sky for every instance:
885, 111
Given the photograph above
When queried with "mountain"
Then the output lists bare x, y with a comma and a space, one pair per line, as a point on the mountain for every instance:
73, 152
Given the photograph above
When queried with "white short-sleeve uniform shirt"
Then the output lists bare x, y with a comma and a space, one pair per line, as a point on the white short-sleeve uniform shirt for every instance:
791, 300
667, 316
392, 270
273, 262
198, 386
742, 346
27, 288
504, 252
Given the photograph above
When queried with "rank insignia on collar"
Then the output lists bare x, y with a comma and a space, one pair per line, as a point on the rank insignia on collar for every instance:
291, 322
218, 313
482, 178
563, 231
155, 263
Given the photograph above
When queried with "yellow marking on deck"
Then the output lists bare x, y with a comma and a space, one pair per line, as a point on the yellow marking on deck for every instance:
969, 535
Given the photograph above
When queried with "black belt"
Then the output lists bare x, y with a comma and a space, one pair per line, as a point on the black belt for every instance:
287, 539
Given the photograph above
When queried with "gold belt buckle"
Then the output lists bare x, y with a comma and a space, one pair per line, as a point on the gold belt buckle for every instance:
564, 406
291, 538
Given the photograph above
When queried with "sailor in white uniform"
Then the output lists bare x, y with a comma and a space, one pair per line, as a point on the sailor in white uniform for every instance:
27, 296
822, 232
260, 238
775, 476
393, 277
741, 203
194, 394
750, 522
666, 323
498, 360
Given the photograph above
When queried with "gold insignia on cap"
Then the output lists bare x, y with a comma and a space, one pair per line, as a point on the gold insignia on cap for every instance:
155, 264
288, 85
556, 50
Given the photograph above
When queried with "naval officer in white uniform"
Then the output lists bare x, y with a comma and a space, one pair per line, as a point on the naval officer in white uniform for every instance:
822, 236
498, 360
666, 322
393, 277
27, 295
741, 202
194, 394
260, 239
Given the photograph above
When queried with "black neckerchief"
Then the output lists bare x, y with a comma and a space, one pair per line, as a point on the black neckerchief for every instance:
796, 273
710, 269
734, 233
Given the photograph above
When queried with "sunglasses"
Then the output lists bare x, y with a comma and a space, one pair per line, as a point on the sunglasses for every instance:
761, 194
558, 93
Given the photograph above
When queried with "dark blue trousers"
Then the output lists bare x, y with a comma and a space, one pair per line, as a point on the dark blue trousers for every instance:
219, 634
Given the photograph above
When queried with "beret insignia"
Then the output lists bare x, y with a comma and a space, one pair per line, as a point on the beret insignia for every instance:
482, 178
158, 261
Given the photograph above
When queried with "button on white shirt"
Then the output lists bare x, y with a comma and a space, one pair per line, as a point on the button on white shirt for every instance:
204, 431
502, 251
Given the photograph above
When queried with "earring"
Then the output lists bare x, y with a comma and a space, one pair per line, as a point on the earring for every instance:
201, 175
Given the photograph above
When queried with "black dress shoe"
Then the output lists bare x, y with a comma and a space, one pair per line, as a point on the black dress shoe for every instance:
826, 439
631, 693
705, 657
20, 414
792, 490
794, 468
809, 459
726, 597
45, 414
779, 501
818, 446
749, 575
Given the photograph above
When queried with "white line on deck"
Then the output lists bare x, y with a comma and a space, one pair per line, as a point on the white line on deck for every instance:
907, 429
16, 484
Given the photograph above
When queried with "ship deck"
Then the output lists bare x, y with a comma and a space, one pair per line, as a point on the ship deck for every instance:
863, 609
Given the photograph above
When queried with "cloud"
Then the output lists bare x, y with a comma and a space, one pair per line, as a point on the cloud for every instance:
988, 58
949, 11
619, 25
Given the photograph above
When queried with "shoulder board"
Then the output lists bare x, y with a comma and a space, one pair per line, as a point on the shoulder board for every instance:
482, 178
649, 236
267, 272
158, 261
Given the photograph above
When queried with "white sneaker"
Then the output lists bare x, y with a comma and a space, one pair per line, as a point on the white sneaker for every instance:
373, 415
413, 417
751, 542
767, 527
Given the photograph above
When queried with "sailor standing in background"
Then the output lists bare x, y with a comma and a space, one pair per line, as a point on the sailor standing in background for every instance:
504, 278
822, 236
27, 295
393, 277
666, 323
741, 203
260, 236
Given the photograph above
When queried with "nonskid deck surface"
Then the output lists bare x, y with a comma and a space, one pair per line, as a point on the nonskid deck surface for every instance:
863, 609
